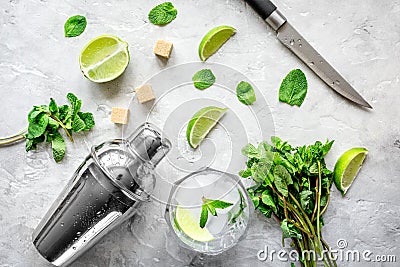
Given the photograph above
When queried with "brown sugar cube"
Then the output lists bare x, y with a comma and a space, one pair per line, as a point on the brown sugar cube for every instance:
119, 115
163, 48
144, 93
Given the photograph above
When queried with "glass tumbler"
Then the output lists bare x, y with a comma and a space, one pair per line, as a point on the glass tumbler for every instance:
222, 230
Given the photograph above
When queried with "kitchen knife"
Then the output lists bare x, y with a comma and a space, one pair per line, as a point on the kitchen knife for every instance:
289, 37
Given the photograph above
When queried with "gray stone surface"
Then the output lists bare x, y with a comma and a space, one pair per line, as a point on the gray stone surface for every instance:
360, 38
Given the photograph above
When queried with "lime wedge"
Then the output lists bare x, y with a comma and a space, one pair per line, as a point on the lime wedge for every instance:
347, 167
104, 58
201, 124
190, 225
213, 40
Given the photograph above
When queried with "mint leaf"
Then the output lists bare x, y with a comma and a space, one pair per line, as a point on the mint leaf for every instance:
74, 26
58, 146
31, 143
282, 179
88, 119
242, 206
326, 148
162, 14
289, 230
203, 216
63, 112
35, 112
260, 171
267, 211
305, 197
255, 200
219, 204
53, 125
210, 205
78, 124
75, 103
211, 209
250, 151
268, 200
53, 108
245, 173
38, 125
293, 89
203, 79
245, 93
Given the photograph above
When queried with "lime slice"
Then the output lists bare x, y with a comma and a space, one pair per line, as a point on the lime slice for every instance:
104, 58
190, 225
347, 167
201, 124
213, 40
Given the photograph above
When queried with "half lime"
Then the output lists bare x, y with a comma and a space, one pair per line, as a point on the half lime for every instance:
104, 58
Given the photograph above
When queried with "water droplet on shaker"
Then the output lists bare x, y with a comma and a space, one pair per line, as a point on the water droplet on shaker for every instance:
292, 42
337, 82
62, 224
312, 63
300, 45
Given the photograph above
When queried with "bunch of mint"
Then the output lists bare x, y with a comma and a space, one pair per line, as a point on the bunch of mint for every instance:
44, 122
292, 184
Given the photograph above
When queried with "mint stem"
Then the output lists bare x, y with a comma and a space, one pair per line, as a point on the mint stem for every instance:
62, 126
13, 138
319, 202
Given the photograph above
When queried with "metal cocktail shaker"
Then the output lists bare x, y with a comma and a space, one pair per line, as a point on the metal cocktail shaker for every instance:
103, 192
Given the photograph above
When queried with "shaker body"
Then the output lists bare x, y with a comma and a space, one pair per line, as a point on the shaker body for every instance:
103, 192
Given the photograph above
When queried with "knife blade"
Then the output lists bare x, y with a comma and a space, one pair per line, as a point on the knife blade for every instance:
290, 38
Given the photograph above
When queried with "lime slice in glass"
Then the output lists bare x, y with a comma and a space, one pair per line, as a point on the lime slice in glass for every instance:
201, 124
188, 224
104, 58
213, 40
347, 167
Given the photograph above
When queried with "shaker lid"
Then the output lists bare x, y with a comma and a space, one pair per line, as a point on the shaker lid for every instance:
148, 143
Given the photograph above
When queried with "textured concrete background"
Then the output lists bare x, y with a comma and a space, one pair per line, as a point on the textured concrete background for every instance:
360, 38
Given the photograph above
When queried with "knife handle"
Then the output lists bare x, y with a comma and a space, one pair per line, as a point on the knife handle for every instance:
264, 8
268, 12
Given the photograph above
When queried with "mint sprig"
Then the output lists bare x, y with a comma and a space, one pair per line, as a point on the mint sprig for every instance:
162, 14
210, 205
44, 122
